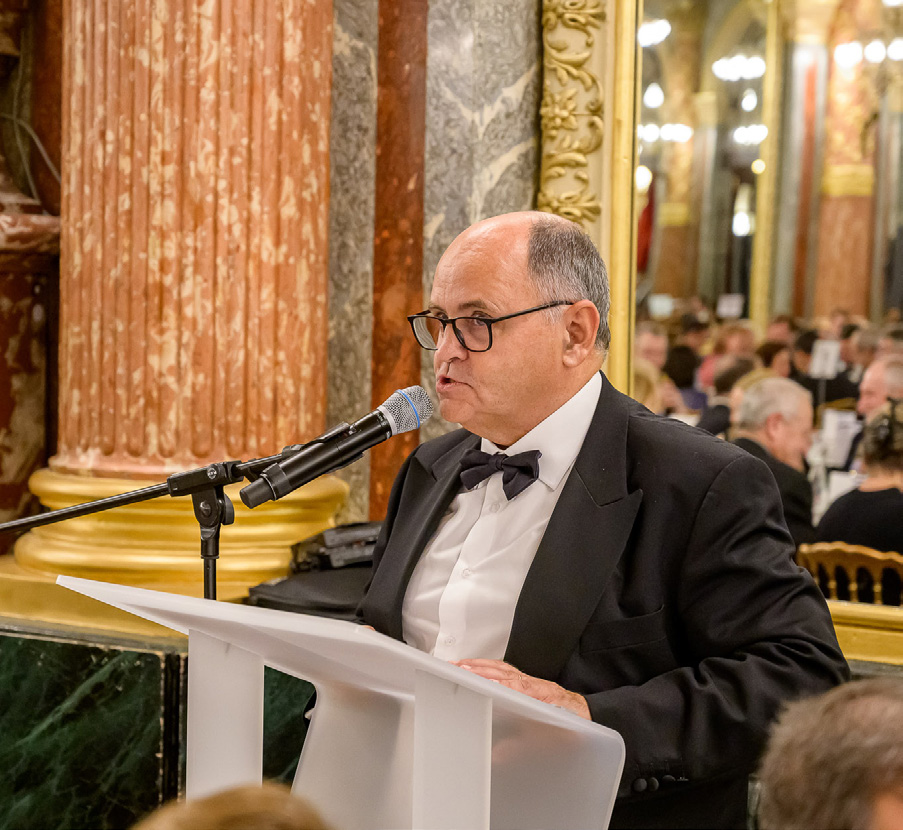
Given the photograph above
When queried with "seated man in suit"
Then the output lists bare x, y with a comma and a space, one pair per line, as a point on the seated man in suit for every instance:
571, 545
774, 423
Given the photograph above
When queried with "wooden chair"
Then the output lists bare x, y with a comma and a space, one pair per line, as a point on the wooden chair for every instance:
851, 560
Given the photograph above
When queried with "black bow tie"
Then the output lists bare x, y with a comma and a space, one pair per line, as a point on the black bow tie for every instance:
518, 471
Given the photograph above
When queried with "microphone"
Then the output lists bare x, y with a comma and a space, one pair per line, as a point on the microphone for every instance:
405, 410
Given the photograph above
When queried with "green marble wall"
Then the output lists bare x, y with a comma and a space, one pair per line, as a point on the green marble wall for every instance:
92, 730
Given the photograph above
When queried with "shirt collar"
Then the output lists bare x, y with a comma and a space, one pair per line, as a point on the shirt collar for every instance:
560, 436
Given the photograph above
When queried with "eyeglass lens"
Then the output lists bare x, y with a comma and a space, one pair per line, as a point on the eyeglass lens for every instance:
471, 331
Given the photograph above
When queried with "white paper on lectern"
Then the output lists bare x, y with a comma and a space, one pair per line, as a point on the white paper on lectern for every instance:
549, 767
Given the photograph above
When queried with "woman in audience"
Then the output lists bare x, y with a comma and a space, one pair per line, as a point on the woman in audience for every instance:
871, 515
775, 355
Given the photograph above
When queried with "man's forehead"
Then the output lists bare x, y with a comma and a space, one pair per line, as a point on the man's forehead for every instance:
481, 273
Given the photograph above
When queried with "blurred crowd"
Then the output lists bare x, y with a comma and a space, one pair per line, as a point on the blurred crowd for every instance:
818, 401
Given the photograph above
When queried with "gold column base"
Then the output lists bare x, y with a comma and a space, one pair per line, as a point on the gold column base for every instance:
153, 544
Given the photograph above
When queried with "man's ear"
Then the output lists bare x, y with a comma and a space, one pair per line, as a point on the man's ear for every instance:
581, 322
773, 424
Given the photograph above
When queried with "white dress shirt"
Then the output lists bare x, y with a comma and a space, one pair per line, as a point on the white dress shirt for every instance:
462, 594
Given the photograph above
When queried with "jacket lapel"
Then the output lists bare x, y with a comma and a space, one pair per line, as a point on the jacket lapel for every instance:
583, 542
429, 488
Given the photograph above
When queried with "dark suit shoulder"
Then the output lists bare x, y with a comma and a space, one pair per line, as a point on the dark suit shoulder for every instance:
431, 451
673, 443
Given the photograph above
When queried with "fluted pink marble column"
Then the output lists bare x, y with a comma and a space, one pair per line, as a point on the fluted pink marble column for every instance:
194, 247
193, 273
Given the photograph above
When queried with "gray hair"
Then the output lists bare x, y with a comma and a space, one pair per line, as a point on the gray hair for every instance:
564, 264
893, 375
767, 397
866, 339
831, 756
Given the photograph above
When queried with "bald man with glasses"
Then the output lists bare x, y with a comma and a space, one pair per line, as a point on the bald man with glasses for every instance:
571, 545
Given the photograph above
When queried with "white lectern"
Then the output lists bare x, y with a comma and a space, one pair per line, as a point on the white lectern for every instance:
397, 739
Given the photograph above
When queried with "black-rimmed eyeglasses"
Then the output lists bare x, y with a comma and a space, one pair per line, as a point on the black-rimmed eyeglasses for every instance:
473, 333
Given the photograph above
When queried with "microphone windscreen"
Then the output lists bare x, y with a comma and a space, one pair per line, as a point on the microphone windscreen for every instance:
407, 409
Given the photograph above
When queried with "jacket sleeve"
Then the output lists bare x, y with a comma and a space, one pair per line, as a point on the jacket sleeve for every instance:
758, 633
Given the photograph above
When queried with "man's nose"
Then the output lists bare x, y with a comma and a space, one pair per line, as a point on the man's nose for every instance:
449, 346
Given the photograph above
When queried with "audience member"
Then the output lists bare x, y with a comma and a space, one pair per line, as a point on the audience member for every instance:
890, 341
837, 320
848, 345
269, 806
736, 339
684, 356
646, 385
782, 328
774, 423
882, 380
865, 345
775, 355
823, 390
717, 417
872, 515
739, 390
835, 762
651, 344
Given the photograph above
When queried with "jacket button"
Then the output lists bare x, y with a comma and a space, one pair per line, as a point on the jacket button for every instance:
668, 779
653, 784
639, 786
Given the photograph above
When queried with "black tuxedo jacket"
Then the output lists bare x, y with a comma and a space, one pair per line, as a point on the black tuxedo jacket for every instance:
663, 590
795, 490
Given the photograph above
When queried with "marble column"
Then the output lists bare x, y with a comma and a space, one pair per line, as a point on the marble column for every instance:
484, 83
677, 219
29, 245
710, 244
848, 177
398, 230
801, 151
193, 275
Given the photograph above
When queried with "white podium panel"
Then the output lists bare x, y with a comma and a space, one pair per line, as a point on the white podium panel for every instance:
398, 738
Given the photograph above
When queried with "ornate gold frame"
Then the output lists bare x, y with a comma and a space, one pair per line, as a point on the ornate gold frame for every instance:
588, 117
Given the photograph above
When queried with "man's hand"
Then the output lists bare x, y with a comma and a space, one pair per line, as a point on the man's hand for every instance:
544, 690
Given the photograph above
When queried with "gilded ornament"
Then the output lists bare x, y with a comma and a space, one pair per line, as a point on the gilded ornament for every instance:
557, 111
572, 109
582, 15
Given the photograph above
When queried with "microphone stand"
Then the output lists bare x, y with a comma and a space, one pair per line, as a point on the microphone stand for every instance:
212, 507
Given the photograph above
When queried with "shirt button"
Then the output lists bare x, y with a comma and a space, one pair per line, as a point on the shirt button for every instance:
494, 508
449, 641
467, 572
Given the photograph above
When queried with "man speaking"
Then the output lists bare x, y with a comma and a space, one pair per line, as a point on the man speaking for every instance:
573, 546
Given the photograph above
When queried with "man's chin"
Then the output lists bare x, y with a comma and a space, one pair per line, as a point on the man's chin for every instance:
453, 411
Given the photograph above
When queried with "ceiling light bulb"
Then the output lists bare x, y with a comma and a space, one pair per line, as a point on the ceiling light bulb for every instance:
754, 67
875, 52
653, 32
643, 178
742, 224
758, 167
749, 101
653, 97
848, 55
895, 49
